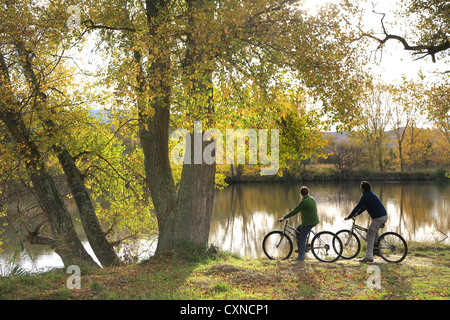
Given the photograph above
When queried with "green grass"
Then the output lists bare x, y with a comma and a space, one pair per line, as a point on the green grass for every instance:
212, 274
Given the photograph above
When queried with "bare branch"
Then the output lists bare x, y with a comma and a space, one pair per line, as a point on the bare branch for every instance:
424, 50
446, 236
33, 237
90, 25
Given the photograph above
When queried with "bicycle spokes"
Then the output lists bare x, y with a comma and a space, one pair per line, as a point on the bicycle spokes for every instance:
277, 245
350, 242
392, 247
326, 246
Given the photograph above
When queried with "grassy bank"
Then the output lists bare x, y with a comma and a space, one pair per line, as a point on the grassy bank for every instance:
425, 274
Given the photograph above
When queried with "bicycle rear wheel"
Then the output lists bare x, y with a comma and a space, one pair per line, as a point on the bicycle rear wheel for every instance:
351, 244
277, 246
392, 247
326, 247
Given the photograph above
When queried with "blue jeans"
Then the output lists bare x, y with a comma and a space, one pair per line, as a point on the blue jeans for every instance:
301, 239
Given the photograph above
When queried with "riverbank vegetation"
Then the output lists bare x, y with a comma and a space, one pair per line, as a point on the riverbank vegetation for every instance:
197, 274
316, 172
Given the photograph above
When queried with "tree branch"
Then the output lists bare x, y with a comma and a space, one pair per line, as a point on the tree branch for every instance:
426, 50
89, 24
33, 237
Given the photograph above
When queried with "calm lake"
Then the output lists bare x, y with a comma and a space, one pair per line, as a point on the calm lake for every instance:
244, 213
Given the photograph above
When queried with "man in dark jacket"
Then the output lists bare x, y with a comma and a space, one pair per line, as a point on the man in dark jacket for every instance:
369, 201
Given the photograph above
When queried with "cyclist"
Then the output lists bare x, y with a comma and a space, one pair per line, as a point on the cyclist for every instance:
308, 209
369, 201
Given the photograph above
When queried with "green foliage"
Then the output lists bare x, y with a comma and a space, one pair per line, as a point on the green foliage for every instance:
115, 175
440, 173
192, 252
221, 287
261, 72
243, 64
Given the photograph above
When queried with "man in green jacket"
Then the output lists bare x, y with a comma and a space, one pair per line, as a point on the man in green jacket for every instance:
308, 209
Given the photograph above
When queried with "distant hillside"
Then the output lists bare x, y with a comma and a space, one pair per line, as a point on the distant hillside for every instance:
338, 137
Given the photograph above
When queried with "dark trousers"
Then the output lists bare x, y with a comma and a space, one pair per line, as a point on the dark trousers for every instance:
301, 240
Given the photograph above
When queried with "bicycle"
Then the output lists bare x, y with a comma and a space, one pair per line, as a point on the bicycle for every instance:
390, 246
325, 247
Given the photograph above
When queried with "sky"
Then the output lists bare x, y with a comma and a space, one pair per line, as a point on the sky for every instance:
395, 62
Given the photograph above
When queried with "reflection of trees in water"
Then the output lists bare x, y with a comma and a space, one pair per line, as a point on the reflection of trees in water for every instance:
419, 206
23, 210
244, 213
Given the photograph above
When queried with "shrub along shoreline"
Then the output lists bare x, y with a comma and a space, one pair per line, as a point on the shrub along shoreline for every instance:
319, 173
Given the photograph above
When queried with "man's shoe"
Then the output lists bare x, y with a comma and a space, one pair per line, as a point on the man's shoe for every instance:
366, 260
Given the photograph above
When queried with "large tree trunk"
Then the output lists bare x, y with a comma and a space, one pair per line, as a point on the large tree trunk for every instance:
154, 116
103, 250
196, 194
65, 242
183, 216
196, 201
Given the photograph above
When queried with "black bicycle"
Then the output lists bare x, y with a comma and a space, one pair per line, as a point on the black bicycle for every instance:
390, 246
325, 246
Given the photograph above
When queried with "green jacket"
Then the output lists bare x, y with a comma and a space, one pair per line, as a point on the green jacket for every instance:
308, 209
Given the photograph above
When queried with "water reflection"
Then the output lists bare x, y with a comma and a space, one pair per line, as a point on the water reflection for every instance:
34, 258
244, 213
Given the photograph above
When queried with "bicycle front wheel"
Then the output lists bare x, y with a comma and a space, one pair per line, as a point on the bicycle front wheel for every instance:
326, 247
351, 244
277, 245
392, 247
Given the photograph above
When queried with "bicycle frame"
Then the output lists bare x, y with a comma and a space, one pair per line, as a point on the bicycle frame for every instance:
357, 228
386, 244
294, 235
320, 240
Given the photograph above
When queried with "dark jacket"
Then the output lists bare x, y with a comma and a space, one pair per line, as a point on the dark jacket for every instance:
370, 202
